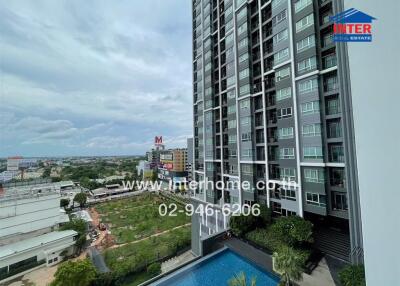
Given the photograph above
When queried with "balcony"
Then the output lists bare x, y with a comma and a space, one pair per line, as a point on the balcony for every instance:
270, 83
257, 87
329, 61
327, 40
336, 153
337, 177
331, 84
332, 106
334, 129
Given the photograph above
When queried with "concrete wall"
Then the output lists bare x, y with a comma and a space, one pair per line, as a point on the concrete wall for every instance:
375, 74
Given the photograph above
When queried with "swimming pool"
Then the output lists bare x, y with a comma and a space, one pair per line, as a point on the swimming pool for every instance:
217, 270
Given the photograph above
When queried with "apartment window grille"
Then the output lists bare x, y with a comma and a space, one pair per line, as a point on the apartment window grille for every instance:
285, 133
305, 22
283, 93
308, 86
313, 152
305, 43
315, 199
284, 113
310, 130
314, 175
301, 4
307, 65
310, 107
286, 153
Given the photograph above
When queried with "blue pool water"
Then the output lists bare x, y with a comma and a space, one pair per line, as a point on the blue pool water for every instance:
217, 270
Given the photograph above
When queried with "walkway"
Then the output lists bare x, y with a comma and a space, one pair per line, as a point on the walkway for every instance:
150, 236
177, 261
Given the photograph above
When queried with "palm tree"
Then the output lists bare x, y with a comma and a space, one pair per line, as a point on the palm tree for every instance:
289, 263
240, 280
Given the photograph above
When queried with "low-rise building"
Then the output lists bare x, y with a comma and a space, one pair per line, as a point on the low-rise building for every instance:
29, 219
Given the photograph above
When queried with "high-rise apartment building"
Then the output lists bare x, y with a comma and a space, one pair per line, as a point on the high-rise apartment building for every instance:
272, 103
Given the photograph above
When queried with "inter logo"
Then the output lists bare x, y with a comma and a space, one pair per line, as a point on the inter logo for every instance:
352, 25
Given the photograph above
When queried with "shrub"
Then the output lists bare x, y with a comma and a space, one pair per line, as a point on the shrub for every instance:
242, 224
154, 269
292, 230
74, 273
265, 217
352, 275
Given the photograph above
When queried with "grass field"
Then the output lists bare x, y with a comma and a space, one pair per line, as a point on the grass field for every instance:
138, 217
132, 257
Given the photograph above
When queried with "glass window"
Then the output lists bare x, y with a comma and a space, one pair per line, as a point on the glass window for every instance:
282, 74
310, 130
284, 113
283, 93
245, 120
307, 65
285, 133
281, 56
314, 175
231, 94
242, 13
243, 43
288, 174
245, 89
232, 138
232, 123
306, 43
314, 152
308, 86
310, 107
242, 28
279, 18
229, 38
307, 21
281, 36
301, 4
244, 104
286, 153
244, 73
230, 80
243, 57
231, 109
315, 199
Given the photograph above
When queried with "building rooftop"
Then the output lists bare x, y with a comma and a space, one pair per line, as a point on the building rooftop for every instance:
34, 242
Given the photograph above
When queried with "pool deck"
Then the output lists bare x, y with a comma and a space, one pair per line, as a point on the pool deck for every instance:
257, 256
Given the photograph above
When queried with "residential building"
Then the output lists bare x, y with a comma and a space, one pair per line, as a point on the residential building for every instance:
189, 161
272, 103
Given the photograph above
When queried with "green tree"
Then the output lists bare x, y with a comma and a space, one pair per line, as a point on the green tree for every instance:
241, 280
64, 203
265, 217
79, 225
71, 273
293, 230
352, 275
154, 269
46, 172
242, 224
81, 199
289, 263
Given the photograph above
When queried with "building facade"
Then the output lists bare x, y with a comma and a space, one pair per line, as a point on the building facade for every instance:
272, 103
29, 219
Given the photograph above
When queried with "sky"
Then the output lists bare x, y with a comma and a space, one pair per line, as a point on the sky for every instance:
94, 77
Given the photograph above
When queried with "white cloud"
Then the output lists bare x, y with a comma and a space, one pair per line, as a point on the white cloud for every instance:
74, 72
